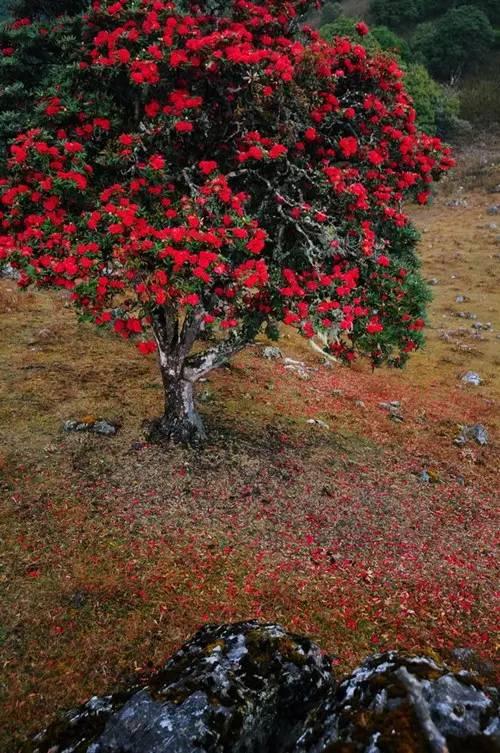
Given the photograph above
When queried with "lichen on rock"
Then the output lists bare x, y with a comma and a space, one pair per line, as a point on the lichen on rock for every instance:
254, 688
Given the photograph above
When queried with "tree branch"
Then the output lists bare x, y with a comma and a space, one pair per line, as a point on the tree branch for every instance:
199, 364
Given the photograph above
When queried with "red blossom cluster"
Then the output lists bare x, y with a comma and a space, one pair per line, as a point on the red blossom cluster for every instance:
227, 166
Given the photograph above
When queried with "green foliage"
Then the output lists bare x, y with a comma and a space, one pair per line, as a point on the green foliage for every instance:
389, 41
34, 59
434, 107
346, 27
458, 41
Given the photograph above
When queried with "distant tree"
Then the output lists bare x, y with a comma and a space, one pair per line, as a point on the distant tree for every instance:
330, 12
396, 14
458, 41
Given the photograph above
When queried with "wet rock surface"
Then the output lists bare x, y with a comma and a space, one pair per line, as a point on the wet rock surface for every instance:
254, 688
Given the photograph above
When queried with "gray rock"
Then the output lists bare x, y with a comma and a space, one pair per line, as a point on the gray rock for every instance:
494, 209
303, 371
471, 377
458, 204
9, 272
395, 703
433, 281
243, 688
96, 426
318, 422
252, 688
477, 432
271, 352
392, 406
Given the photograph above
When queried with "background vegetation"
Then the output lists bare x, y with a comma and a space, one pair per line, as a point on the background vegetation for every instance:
449, 49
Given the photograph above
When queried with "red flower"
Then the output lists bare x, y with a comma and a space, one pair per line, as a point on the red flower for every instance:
348, 146
362, 29
207, 166
183, 126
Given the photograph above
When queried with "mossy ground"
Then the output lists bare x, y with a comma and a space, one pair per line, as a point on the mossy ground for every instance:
114, 551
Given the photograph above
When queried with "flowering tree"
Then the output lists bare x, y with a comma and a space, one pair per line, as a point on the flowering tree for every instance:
210, 169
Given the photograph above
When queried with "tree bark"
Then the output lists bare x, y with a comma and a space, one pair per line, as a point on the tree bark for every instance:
180, 371
181, 421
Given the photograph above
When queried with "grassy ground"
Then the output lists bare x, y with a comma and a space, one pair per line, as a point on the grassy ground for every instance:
112, 551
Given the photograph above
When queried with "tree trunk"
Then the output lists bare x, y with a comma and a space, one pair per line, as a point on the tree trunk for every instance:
180, 371
181, 421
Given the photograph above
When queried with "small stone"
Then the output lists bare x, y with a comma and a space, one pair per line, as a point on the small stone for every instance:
458, 204
360, 404
472, 378
89, 423
338, 393
9, 272
318, 422
393, 405
104, 427
493, 209
477, 432
433, 281
461, 299
272, 352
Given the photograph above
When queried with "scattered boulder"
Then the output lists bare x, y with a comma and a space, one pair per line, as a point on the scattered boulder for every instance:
91, 424
271, 352
254, 688
397, 703
477, 432
471, 377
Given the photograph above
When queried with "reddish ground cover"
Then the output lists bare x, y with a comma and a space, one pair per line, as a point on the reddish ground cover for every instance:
114, 551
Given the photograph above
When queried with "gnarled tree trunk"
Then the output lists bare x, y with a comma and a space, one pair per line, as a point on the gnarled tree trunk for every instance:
181, 421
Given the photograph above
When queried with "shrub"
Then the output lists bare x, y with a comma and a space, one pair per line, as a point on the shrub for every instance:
205, 175
436, 109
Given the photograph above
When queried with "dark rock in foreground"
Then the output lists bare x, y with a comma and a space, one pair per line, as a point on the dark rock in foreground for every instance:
253, 688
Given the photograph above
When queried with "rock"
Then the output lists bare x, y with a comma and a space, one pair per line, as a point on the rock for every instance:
433, 281
477, 432
465, 315
393, 405
472, 378
397, 703
458, 204
91, 424
9, 272
318, 422
303, 371
430, 476
242, 688
493, 209
272, 352
253, 688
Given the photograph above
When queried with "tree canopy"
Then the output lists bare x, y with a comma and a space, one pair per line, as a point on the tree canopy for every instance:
196, 173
